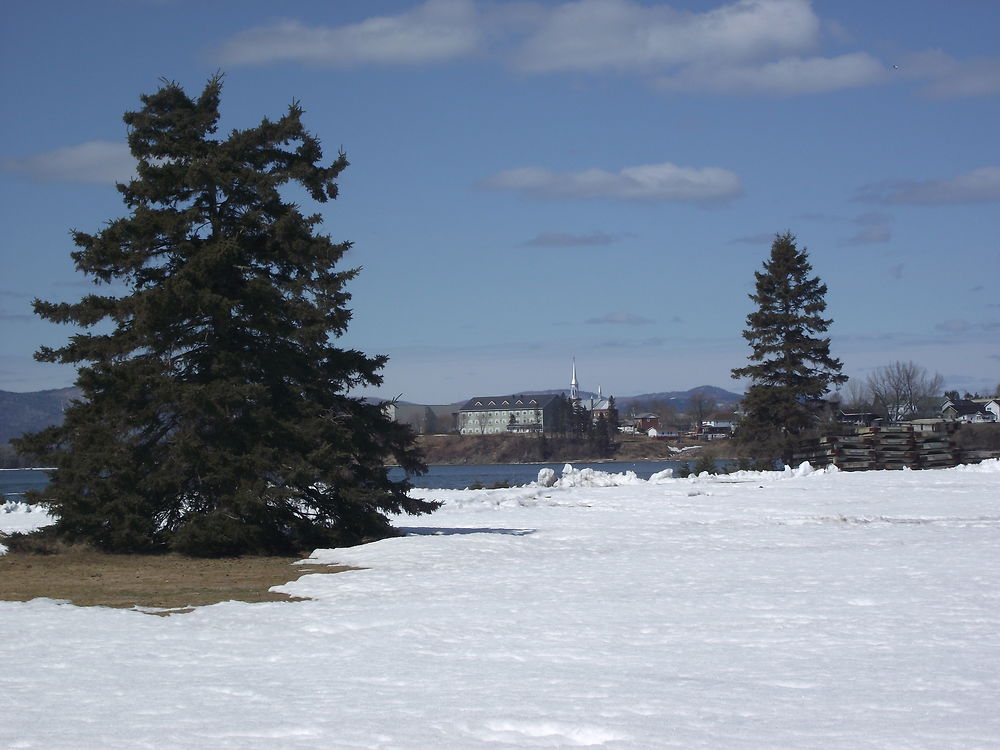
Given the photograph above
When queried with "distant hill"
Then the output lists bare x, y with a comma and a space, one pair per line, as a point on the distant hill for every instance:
680, 400
29, 412
565, 391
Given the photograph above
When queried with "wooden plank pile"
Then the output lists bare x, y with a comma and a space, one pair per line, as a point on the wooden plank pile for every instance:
889, 447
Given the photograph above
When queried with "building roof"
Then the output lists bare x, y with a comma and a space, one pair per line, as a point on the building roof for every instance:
963, 406
509, 403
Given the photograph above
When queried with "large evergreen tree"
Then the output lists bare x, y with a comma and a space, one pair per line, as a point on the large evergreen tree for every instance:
216, 416
790, 366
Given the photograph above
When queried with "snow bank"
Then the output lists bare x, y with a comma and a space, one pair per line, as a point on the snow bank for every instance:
589, 477
805, 469
11, 506
798, 609
18, 516
989, 466
661, 476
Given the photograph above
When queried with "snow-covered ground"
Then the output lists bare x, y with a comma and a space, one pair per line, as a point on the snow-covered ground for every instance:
781, 610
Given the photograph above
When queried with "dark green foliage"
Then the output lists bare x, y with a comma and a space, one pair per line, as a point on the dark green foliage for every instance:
562, 416
43, 541
571, 418
791, 368
747, 464
582, 422
215, 417
574, 422
614, 420
705, 463
544, 448
601, 438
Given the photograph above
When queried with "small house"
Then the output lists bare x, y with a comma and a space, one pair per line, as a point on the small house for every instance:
973, 411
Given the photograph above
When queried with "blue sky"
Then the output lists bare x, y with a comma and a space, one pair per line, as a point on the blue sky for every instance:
533, 182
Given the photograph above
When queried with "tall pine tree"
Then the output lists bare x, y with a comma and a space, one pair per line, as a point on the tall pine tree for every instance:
216, 416
791, 368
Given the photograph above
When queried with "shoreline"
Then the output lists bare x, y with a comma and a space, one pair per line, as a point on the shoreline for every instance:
561, 461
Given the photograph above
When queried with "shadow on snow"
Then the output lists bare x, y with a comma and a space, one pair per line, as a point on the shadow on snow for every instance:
435, 531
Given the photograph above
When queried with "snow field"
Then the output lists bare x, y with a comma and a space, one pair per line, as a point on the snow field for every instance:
795, 609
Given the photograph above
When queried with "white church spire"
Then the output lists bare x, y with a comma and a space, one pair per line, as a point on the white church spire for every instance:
574, 387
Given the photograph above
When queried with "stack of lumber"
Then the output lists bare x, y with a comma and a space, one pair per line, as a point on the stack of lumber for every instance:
890, 447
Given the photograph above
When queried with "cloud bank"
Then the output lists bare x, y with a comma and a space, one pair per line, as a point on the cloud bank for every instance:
980, 185
874, 229
625, 35
647, 182
566, 239
946, 77
785, 77
436, 31
748, 47
94, 162
620, 318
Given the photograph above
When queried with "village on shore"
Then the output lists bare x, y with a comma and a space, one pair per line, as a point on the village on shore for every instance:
484, 429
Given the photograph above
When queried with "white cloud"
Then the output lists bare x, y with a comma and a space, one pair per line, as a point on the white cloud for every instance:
588, 35
623, 35
436, 31
784, 77
953, 326
566, 239
874, 229
620, 318
978, 186
743, 46
92, 162
871, 235
647, 182
764, 238
948, 77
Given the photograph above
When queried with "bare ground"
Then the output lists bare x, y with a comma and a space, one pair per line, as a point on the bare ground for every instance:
506, 449
171, 583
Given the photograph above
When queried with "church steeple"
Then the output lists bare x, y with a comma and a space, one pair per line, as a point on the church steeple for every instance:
574, 386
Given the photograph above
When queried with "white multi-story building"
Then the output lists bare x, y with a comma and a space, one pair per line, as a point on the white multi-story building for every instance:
532, 412
491, 415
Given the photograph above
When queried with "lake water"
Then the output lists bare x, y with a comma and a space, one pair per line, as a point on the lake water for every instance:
13, 482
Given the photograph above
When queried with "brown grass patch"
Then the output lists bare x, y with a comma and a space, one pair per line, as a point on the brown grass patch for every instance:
168, 582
